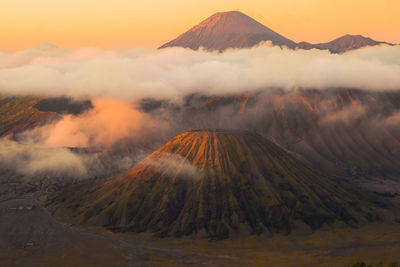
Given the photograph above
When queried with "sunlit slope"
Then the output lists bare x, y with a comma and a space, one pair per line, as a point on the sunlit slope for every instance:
215, 183
346, 133
225, 30
233, 29
18, 114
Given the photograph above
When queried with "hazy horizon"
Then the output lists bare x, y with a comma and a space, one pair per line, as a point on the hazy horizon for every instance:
117, 24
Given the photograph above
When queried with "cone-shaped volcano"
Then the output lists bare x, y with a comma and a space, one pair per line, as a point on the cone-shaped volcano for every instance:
215, 182
224, 30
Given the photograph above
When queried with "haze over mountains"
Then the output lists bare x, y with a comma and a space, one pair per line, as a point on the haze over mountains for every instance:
341, 132
273, 142
234, 29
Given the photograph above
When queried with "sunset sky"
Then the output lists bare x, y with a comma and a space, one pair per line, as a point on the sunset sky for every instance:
128, 23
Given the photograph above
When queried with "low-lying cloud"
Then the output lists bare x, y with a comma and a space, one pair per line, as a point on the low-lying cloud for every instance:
103, 126
174, 72
393, 120
121, 120
346, 115
39, 160
173, 165
32, 159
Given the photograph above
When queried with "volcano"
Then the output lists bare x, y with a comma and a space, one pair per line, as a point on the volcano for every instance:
346, 43
228, 30
215, 183
234, 29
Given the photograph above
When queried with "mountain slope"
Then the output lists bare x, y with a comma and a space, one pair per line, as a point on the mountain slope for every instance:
343, 44
18, 114
341, 132
228, 30
234, 29
215, 183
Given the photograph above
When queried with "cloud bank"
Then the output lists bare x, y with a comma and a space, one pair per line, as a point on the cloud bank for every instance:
38, 160
103, 126
174, 72
33, 159
118, 82
173, 165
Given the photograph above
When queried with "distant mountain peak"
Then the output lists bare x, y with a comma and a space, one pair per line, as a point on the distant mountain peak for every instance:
349, 42
219, 15
232, 29
352, 37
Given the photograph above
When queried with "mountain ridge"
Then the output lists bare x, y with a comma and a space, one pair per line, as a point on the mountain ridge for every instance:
234, 29
349, 42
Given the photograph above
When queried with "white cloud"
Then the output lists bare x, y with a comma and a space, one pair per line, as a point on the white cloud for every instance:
33, 159
173, 72
173, 165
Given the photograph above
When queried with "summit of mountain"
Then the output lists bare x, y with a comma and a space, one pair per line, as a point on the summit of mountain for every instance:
225, 30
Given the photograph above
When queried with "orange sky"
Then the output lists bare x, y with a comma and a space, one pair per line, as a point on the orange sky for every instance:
127, 23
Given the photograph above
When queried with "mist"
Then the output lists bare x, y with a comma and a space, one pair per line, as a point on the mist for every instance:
142, 97
38, 161
32, 159
174, 72
173, 165
102, 127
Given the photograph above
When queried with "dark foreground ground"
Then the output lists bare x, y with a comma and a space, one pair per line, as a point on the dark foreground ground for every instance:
31, 236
